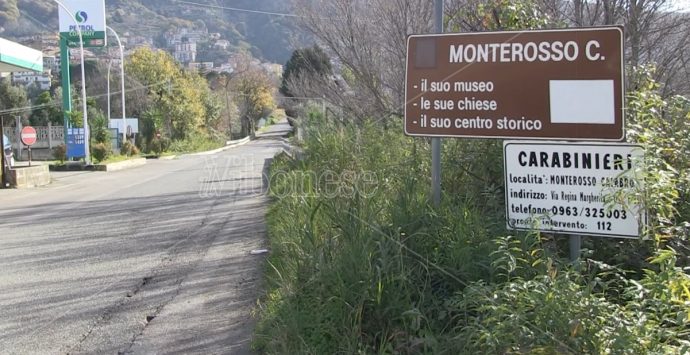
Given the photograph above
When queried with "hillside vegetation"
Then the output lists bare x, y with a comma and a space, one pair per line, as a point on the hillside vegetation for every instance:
266, 36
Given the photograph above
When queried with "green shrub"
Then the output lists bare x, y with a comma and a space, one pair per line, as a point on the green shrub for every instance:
126, 149
100, 152
129, 149
196, 142
60, 153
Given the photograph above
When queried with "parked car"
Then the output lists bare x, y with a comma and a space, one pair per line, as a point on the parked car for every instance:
9, 155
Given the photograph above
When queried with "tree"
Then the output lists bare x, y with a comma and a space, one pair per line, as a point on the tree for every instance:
254, 96
496, 15
47, 111
654, 33
221, 85
305, 61
214, 108
178, 94
368, 40
12, 97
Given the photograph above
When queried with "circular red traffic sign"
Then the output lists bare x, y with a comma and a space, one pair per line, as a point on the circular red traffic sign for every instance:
28, 135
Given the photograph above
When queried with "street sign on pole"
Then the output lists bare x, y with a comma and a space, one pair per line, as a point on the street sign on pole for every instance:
89, 16
568, 188
28, 136
436, 142
544, 84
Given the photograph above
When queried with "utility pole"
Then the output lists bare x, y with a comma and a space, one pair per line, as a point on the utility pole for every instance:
66, 97
122, 84
436, 142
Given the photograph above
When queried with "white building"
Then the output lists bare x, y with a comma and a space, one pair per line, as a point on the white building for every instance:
26, 78
222, 44
202, 65
51, 63
185, 52
182, 35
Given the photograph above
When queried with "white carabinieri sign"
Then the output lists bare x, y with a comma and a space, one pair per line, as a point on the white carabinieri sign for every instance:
569, 187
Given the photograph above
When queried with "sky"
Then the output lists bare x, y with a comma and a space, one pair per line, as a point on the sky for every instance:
681, 5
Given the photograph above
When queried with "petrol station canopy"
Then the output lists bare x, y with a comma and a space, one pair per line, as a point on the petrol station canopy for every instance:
16, 57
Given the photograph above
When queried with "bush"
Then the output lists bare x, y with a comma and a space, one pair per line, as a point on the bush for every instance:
128, 149
196, 142
60, 153
100, 152
155, 146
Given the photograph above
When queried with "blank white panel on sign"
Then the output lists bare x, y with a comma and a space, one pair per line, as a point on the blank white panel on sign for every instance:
582, 101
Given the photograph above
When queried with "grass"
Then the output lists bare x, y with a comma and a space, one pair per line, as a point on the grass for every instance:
195, 144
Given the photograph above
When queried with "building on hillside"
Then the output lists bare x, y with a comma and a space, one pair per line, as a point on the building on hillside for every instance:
50, 39
51, 63
185, 52
221, 44
137, 41
224, 68
41, 79
200, 66
182, 35
75, 54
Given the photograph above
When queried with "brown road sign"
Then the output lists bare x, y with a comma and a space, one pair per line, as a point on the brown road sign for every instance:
545, 84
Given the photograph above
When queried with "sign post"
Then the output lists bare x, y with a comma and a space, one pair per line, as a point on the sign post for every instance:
4, 169
436, 142
562, 84
28, 137
82, 24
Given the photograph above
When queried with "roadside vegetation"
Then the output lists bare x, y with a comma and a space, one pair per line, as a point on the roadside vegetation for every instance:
180, 110
361, 263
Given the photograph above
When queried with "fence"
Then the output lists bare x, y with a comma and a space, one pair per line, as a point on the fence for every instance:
46, 136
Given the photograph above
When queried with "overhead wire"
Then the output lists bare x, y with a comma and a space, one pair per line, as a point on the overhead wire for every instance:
282, 14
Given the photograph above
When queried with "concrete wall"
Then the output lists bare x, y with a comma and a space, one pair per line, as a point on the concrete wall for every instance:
37, 154
34, 176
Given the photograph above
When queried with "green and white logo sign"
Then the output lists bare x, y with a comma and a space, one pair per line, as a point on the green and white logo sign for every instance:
87, 16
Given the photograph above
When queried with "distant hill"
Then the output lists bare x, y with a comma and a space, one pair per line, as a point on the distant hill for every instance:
266, 36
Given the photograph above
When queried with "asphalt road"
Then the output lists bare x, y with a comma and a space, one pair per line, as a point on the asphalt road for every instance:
152, 260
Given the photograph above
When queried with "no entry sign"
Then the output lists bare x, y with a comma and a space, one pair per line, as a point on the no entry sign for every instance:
28, 135
546, 84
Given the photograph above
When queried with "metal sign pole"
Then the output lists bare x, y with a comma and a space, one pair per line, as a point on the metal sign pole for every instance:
2, 160
66, 87
436, 142
18, 137
575, 247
